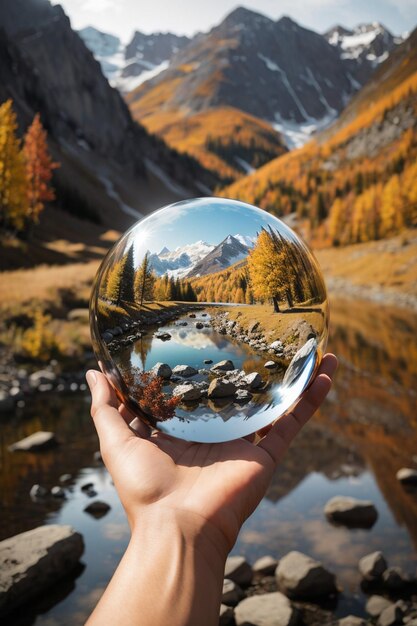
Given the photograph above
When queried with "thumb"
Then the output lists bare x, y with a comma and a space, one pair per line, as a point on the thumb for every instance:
110, 425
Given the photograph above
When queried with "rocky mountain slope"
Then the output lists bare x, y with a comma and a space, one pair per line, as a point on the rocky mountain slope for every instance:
225, 254
358, 181
118, 167
370, 42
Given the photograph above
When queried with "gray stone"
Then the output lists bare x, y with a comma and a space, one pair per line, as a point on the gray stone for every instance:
351, 512
223, 366
220, 389
40, 377
267, 609
391, 616
299, 575
226, 616
243, 395
187, 391
58, 492
377, 604
107, 337
407, 476
372, 566
40, 440
162, 335
271, 365
37, 491
265, 566
97, 509
184, 370
33, 561
278, 346
232, 593
253, 380
199, 325
162, 369
394, 578
238, 570
351, 620
208, 361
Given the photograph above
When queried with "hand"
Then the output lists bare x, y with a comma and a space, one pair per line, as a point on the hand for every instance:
205, 487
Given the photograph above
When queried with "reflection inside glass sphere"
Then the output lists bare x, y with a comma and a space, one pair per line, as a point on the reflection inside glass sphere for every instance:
209, 317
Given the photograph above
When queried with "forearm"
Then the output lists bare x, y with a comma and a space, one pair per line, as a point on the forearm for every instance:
171, 573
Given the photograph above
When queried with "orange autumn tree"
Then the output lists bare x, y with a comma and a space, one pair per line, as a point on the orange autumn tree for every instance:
39, 168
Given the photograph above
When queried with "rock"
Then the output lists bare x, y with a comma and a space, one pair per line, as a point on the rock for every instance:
377, 604
162, 335
191, 315
394, 578
351, 512
41, 377
238, 570
223, 366
372, 566
6, 401
253, 380
187, 391
232, 593
208, 361
107, 337
65, 478
351, 620
265, 566
37, 491
278, 346
87, 486
299, 575
199, 325
407, 476
243, 395
97, 457
219, 388
162, 369
33, 561
58, 492
40, 440
97, 509
267, 609
391, 616
271, 365
184, 370
226, 617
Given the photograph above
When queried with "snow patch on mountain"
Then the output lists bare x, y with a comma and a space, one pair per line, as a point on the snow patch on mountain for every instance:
296, 135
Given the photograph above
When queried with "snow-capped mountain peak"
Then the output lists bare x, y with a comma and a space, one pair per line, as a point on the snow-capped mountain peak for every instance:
372, 42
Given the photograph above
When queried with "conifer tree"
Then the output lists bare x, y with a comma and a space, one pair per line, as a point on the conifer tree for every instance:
13, 198
39, 168
144, 281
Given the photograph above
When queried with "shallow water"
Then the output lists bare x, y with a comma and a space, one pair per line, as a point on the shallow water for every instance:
364, 433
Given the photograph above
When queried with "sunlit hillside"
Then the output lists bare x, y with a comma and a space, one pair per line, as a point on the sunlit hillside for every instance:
359, 182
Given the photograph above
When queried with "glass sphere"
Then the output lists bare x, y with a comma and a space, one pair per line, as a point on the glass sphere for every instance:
210, 318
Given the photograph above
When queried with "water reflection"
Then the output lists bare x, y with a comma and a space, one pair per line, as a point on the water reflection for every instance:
365, 432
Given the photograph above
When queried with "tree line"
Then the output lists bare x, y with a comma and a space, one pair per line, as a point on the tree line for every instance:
26, 169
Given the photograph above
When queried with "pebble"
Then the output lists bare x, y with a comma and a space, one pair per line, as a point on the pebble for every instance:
372, 566
299, 575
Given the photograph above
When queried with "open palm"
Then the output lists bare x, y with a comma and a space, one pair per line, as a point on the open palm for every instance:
220, 484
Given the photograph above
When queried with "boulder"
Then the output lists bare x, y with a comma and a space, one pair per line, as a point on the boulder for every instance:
376, 604
394, 578
267, 609
219, 388
184, 370
372, 566
162, 369
271, 365
226, 616
40, 440
265, 566
232, 593
407, 476
187, 391
300, 576
253, 380
238, 570
38, 491
33, 561
223, 366
391, 616
351, 512
351, 620
97, 509
243, 395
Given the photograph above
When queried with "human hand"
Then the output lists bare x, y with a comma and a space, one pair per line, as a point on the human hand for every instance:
209, 488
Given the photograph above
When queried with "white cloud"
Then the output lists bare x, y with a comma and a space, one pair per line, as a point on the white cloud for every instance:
96, 6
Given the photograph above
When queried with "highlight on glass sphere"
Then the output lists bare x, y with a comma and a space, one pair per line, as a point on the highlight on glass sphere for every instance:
209, 317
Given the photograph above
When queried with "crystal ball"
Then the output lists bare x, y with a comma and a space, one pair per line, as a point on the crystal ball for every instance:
210, 318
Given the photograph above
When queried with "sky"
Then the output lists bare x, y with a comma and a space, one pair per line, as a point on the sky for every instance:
186, 17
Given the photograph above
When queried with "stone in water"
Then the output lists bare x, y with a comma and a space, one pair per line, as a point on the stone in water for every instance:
253, 289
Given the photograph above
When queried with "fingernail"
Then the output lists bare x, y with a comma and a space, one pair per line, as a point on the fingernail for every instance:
91, 378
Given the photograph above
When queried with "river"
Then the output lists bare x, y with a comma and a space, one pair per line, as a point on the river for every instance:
364, 433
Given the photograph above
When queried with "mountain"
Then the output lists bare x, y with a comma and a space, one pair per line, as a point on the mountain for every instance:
119, 169
229, 251
181, 260
358, 180
128, 66
370, 42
